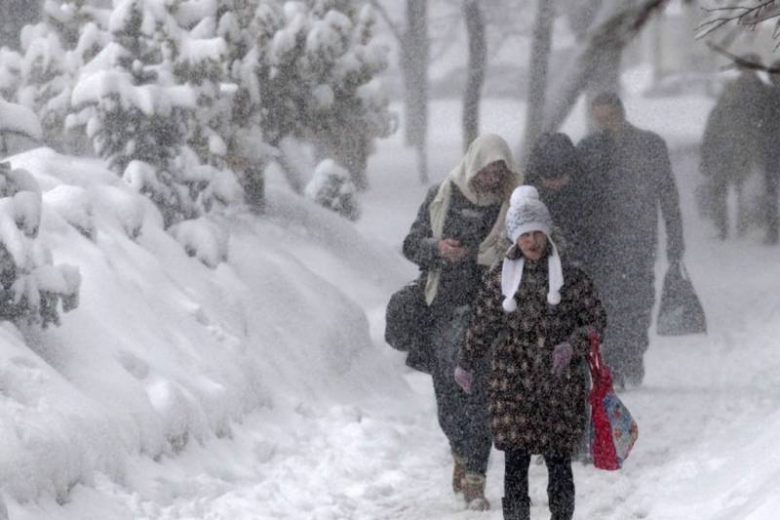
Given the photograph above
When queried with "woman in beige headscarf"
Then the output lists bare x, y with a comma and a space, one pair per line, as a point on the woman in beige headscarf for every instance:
457, 236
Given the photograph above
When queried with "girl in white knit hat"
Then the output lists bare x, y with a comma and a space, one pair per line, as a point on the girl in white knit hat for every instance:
536, 311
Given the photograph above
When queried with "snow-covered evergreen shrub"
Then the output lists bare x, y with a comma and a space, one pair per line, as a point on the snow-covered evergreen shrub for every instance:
53, 52
31, 287
139, 100
332, 188
317, 80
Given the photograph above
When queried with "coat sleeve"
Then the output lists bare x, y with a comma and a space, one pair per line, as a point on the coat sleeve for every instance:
670, 202
486, 322
589, 314
419, 245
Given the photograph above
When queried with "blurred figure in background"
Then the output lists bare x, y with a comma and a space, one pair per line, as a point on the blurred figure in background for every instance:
631, 176
731, 148
772, 155
554, 169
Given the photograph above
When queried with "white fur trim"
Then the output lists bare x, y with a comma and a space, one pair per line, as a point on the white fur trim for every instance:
554, 275
511, 276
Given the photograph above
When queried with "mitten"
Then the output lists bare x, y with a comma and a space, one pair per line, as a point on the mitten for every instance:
561, 357
464, 378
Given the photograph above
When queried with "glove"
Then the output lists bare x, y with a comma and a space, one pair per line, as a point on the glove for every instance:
561, 357
464, 378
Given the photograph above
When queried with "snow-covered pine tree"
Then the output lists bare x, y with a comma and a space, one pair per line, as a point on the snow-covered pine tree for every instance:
135, 113
198, 60
31, 287
53, 51
318, 80
247, 27
198, 56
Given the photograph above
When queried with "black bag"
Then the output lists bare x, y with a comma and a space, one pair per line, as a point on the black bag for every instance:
408, 324
680, 311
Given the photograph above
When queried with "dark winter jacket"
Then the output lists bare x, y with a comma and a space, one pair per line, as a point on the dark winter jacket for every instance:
466, 222
771, 130
631, 177
532, 409
732, 134
570, 209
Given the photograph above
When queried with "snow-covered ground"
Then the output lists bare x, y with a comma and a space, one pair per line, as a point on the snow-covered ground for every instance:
262, 389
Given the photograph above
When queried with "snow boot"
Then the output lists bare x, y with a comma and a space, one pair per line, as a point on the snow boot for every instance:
515, 509
474, 492
458, 474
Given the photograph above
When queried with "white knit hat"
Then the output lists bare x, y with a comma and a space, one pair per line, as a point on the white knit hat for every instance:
527, 213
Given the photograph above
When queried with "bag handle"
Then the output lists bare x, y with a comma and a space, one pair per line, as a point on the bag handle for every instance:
598, 370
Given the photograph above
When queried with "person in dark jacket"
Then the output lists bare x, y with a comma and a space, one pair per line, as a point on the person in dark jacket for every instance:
554, 169
771, 147
538, 312
631, 176
731, 144
457, 235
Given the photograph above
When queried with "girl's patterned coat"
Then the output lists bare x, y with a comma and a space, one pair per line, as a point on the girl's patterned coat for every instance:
532, 409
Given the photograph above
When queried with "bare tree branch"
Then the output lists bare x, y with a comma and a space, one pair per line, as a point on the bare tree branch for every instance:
748, 64
748, 16
614, 33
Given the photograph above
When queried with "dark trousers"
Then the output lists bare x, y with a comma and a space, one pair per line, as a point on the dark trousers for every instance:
560, 485
626, 339
464, 418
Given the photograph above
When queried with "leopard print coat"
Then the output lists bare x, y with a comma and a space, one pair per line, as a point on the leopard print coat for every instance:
532, 409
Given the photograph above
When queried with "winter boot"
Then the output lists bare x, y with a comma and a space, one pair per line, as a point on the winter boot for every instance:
515, 509
458, 474
474, 492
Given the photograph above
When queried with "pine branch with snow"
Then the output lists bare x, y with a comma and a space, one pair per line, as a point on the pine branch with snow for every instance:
32, 289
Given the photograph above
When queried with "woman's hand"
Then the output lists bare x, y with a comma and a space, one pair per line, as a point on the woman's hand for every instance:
464, 378
452, 251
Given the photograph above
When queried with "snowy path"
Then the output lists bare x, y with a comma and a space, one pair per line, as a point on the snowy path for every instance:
708, 415
703, 412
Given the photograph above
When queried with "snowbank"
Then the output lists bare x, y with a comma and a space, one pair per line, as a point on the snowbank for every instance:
164, 352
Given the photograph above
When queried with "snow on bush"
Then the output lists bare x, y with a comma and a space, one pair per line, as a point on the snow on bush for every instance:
32, 287
204, 239
332, 188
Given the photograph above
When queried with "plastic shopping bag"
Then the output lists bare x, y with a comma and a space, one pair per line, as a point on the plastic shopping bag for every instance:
613, 431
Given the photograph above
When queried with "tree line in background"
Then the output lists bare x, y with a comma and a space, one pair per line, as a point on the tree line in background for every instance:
600, 30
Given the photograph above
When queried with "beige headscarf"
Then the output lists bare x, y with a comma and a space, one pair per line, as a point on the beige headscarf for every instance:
484, 150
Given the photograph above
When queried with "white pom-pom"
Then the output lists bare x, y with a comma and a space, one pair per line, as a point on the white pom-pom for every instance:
521, 193
509, 304
554, 298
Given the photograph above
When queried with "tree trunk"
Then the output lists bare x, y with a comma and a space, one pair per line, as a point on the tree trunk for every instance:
609, 38
537, 83
254, 188
475, 28
414, 66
